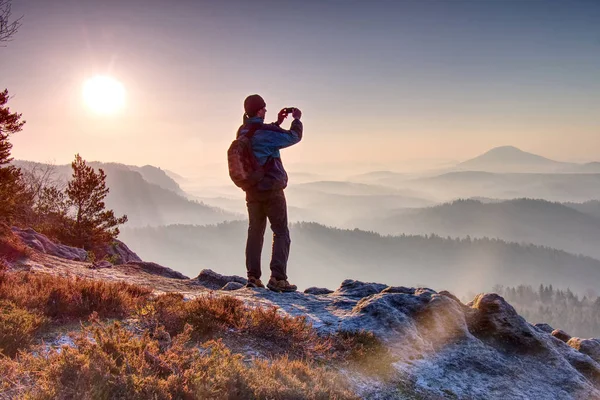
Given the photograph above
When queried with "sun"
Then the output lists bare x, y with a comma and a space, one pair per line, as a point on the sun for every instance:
104, 95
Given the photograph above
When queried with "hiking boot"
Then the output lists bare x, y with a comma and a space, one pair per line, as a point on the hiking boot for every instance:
281, 285
254, 283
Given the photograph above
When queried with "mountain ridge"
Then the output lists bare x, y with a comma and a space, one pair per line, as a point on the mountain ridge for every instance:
332, 253
571, 227
506, 158
145, 203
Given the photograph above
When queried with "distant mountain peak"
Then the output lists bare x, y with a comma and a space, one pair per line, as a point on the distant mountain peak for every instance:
507, 156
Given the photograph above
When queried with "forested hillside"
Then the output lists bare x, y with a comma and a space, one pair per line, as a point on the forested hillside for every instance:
323, 256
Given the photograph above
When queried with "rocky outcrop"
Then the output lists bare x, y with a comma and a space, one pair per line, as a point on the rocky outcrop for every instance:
445, 349
439, 347
358, 289
317, 291
156, 269
41, 243
212, 280
590, 347
233, 286
496, 322
561, 335
544, 328
118, 253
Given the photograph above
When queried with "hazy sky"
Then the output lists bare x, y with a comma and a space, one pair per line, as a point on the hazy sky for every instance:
378, 81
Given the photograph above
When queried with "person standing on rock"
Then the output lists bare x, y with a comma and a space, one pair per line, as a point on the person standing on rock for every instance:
255, 165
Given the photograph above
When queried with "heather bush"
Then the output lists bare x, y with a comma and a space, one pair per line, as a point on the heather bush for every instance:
17, 327
11, 246
212, 315
70, 298
117, 364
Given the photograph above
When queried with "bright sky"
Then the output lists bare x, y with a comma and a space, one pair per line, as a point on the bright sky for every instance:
378, 81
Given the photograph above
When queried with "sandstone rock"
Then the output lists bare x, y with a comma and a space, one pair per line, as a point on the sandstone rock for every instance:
583, 364
212, 280
451, 296
544, 328
385, 314
44, 245
101, 264
424, 292
441, 321
232, 286
118, 253
156, 269
561, 335
317, 291
352, 288
590, 347
496, 322
398, 289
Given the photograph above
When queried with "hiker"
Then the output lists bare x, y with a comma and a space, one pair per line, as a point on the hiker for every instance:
264, 194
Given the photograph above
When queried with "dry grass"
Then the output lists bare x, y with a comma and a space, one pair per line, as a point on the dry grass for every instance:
11, 246
116, 364
70, 298
109, 361
212, 316
17, 327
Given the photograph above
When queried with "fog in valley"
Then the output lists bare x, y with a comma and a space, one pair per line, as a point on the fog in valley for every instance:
506, 219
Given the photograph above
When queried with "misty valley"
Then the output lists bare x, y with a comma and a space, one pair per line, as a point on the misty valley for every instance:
507, 220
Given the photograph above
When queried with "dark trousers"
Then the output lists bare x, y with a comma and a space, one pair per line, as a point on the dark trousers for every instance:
271, 205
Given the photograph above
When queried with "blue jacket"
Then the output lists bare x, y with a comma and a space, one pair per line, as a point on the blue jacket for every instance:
266, 143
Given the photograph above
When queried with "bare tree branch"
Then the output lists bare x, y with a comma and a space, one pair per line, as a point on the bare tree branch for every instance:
7, 28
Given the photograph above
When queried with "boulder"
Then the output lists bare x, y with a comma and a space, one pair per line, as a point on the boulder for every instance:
233, 286
590, 347
561, 335
352, 288
156, 269
451, 296
398, 289
41, 243
544, 328
317, 291
496, 322
386, 313
212, 280
424, 292
118, 253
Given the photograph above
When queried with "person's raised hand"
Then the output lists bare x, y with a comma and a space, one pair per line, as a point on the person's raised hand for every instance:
297, 114
281, 116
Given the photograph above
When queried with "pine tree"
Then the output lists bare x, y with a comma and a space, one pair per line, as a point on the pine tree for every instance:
11, 188
93, 225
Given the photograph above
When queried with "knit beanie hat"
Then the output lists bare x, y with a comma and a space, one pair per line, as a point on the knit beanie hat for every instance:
253, 104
